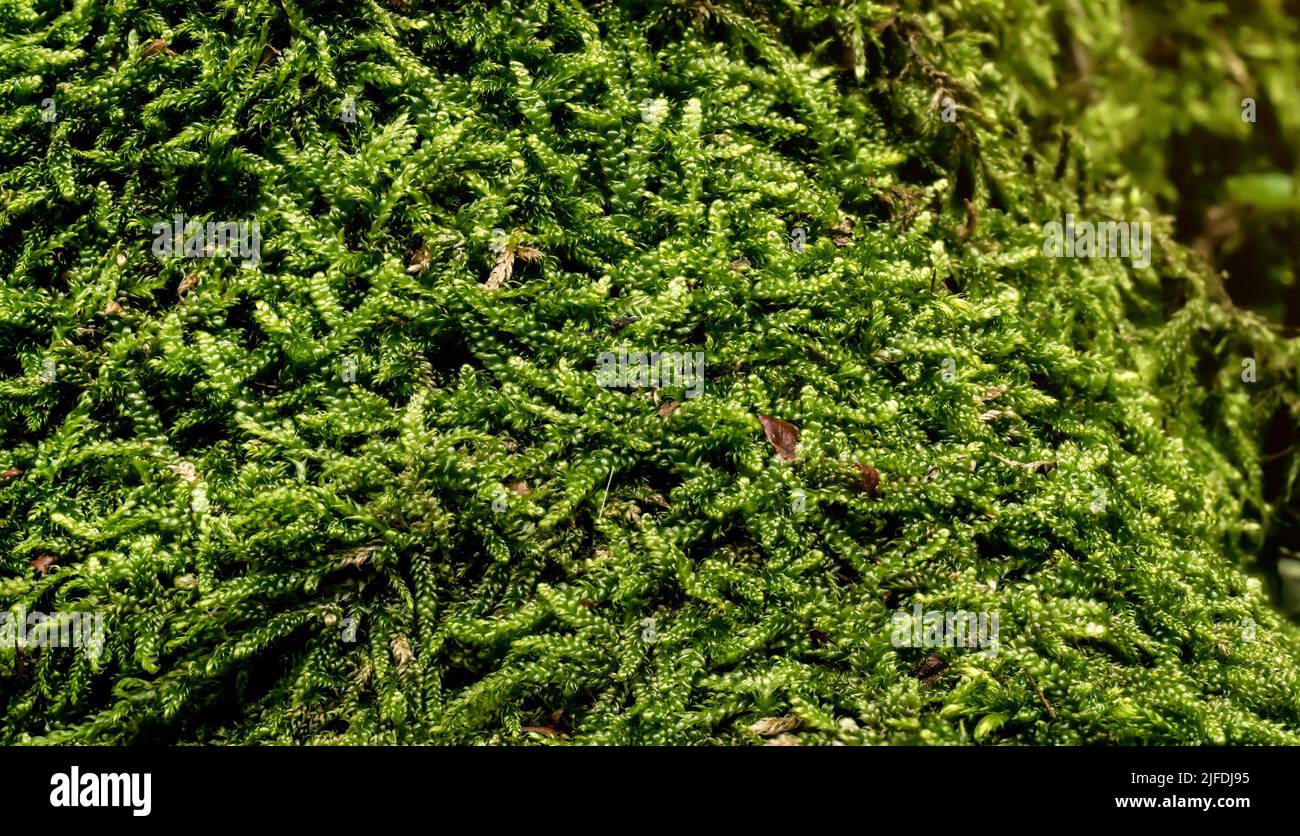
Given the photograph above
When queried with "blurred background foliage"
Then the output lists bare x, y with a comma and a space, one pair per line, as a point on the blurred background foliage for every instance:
1188, 109
1198, 104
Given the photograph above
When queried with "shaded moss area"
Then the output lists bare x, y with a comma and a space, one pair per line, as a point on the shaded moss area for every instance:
369, 489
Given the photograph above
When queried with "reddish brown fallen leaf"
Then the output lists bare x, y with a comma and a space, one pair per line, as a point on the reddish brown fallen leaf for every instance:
549, 731
520, 488
868, 479
42, 563
11, 473
740, 265
782, 435
669, 408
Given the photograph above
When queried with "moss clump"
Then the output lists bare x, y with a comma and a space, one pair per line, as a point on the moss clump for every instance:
368, 489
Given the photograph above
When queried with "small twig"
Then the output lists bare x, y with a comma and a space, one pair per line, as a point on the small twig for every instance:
1279, 454
1051, 712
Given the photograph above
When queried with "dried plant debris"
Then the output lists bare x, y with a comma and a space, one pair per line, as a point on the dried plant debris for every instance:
782, 435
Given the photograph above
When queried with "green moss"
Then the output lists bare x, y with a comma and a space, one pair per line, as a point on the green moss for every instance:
294, 489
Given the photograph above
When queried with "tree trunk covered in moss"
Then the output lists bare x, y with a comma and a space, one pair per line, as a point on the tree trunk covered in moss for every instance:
369, 485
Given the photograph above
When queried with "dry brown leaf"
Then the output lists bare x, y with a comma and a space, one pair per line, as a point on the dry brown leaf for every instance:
42, 563
772, 726
187, 284
928, 669
529, 254
669, 408
11, 473
868, 478
782, 435
420, 260
842, 232
784, 740
740, 265
904, 204
357, 557
501, 273
267, 52
993, 392
154, 47
185, 470
364, 673
621, 322
521, 489
112, 309
401, 649
549, 731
